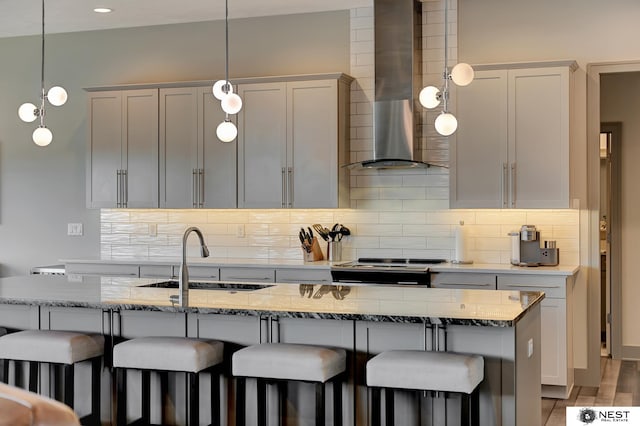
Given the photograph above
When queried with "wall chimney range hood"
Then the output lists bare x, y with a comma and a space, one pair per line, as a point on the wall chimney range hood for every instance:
398, 80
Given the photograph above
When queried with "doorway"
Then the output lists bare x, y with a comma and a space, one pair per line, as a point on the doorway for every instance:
609, 238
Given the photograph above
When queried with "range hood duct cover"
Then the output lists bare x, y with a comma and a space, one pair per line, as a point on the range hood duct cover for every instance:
397, 81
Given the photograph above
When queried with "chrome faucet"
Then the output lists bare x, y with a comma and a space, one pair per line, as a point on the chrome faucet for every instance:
183, 280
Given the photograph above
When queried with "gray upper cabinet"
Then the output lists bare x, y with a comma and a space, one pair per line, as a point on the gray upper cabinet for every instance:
122, 157
512, 147
292, 139
196, 169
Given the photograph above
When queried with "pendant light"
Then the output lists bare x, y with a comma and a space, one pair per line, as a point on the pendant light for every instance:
230, 102
430, 97
56, 96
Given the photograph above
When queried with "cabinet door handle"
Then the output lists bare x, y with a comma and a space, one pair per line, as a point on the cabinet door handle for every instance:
201, 187
505, 185
194, 188
513, 185
125, 175
290, 185
284, 188
118, 188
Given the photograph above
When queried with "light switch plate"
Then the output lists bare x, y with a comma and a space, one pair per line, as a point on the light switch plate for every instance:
74, 229
530, 348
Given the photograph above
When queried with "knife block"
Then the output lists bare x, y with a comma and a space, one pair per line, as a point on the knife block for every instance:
315, 254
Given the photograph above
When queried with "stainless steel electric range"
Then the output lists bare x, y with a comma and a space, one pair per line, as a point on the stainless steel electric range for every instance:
398, 271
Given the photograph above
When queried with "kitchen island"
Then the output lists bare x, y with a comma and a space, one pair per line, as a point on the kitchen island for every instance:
503, 326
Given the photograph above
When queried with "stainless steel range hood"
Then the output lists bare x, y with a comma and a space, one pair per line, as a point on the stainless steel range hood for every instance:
398, 80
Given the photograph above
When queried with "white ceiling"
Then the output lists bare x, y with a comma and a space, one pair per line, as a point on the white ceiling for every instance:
23, 17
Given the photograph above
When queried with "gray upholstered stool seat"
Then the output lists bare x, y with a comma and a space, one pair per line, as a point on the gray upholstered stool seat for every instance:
64, 348
283, 362
425, 370
168, 354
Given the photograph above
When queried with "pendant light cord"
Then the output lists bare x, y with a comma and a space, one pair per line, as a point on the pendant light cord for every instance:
226, 51
445, 94
42, 71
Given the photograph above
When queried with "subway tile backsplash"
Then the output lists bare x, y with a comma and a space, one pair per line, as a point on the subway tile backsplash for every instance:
396, 213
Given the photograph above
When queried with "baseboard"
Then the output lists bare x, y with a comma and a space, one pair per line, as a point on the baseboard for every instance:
631, 353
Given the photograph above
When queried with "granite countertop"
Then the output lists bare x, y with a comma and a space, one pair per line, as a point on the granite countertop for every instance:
485, 268
365, 302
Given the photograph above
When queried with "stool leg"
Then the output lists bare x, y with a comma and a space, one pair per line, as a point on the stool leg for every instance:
5, 371
241, 390
33, 376
121, 396
375, 406
146, 397
194, 398
475, 408
319, 404
67, 371
262, 402
95, 390
282, 396
389, 407
215, 398
337, 403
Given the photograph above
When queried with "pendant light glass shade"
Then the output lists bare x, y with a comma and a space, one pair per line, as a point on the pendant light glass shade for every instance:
219, 89
462, 74
57, 96
226, 131
28, 112
430, 97
446, 124
42, 136
231, 103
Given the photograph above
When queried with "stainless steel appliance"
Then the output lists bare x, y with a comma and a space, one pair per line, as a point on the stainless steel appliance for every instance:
526, 250
397, 271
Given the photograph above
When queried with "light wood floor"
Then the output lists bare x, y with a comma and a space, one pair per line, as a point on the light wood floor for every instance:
619, 386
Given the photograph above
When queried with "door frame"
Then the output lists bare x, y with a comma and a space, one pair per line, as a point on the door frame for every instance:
594, 71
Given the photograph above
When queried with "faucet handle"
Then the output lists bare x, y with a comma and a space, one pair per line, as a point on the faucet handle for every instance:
174, 299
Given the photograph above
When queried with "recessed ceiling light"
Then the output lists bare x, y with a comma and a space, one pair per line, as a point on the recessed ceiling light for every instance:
102, 10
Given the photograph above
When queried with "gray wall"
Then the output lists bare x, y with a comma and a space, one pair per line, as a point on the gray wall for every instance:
43, 189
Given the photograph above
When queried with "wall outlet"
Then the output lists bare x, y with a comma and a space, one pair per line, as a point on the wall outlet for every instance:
240, 231
530, 348
153, 230
74, 229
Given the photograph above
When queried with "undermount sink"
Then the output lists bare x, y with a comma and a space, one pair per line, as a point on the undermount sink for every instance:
211, 286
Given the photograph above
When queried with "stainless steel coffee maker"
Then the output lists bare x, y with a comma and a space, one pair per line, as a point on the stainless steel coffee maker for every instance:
526, 250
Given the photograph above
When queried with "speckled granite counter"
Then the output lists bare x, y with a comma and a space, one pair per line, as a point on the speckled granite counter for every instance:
371, 302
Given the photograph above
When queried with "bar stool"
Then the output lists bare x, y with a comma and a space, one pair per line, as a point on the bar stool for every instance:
168, 354
425, 370
57, 348
281, 362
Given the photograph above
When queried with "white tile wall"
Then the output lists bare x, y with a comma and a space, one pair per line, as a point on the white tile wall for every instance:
394, 213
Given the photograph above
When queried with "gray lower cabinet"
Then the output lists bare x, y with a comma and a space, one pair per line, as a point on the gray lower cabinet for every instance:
557, 328
267, 275
303, 276
103, 269
456, 280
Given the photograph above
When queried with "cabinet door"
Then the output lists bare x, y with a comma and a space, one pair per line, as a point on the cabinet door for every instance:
262, 145
140, 147
248, 274
312, 145
539, 137
217, 159
178, 147
303, 276
478, 155
104, 150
